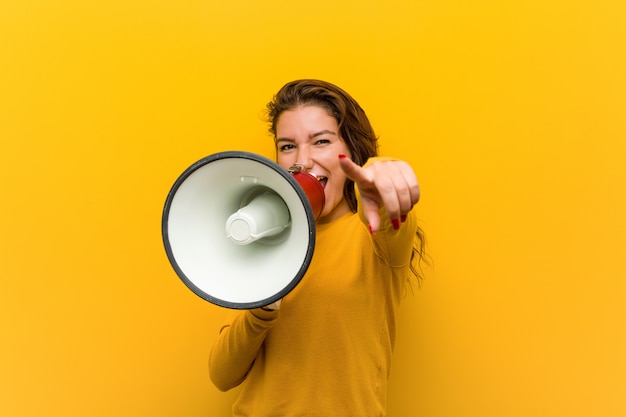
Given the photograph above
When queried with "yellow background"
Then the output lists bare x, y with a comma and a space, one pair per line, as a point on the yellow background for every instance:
511, 112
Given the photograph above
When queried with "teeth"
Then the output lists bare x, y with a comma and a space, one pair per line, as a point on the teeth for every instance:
319, 177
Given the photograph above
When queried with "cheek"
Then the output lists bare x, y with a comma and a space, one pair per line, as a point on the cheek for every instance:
338, 184
284, 161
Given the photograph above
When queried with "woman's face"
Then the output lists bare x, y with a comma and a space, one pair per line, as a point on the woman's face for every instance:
308, 135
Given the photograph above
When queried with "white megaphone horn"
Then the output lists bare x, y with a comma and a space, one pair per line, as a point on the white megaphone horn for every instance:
239, 230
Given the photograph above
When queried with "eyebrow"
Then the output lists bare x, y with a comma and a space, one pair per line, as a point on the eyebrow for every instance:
311, 136
322, 132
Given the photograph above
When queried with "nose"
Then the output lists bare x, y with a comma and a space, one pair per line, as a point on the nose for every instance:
303, 158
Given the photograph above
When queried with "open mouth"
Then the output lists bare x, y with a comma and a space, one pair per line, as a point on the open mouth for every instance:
322, 179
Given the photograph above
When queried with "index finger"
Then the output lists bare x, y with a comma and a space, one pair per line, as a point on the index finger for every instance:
353, 171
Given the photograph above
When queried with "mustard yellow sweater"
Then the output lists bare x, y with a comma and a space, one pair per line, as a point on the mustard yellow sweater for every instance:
327, 351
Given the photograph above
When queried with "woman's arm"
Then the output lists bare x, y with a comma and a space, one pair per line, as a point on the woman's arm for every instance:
237, 346
387, 189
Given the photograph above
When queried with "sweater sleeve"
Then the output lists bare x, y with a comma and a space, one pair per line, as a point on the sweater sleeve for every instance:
237, 346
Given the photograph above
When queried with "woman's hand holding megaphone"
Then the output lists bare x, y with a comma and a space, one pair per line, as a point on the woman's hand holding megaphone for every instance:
388, 183
272, 307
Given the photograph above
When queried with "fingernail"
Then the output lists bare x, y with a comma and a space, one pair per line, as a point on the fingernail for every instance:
341, 156
396, 224
371, 231
403, 218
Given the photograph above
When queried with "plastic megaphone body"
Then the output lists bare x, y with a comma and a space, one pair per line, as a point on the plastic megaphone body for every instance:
239, 230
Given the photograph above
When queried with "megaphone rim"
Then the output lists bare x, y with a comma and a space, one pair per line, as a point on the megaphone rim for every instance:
286, 175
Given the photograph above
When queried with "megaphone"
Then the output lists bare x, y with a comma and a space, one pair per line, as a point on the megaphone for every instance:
239, 230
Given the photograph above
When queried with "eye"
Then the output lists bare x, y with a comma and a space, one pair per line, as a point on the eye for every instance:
286, 147
322, 142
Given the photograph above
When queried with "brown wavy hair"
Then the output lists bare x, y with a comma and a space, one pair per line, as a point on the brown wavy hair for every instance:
354, 128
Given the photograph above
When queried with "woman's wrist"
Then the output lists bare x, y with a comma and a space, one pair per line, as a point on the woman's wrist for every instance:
272, 307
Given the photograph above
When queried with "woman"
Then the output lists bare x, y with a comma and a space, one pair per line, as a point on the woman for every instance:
325, 350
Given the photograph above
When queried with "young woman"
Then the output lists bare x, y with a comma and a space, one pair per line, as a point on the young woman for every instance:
325, 350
